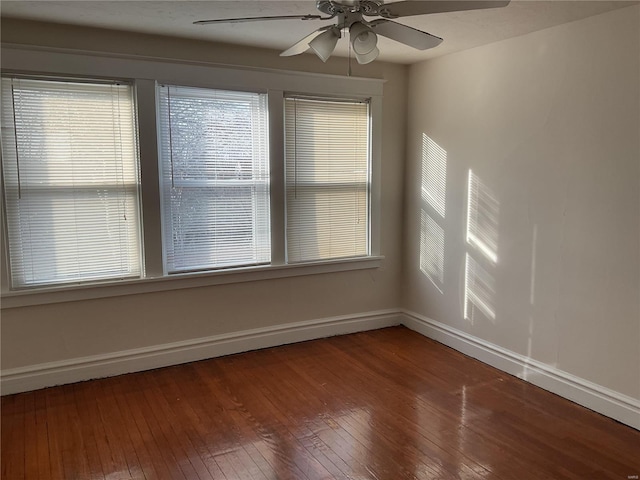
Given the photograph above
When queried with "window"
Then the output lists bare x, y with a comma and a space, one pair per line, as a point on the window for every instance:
214, 162
327, 179
70, 169
121, 187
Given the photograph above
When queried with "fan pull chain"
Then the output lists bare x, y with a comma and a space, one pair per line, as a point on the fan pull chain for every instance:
349, 58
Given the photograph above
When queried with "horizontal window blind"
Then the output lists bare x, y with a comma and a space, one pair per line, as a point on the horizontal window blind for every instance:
70, 168
215, 178
327, 179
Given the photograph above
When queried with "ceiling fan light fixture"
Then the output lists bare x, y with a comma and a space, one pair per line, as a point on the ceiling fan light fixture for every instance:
363, 59
363, 39
325, 43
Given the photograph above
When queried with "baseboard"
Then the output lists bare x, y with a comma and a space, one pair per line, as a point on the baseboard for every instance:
608, 402
595, 397
98, 366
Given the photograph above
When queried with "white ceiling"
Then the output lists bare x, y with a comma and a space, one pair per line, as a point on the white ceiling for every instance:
460, 30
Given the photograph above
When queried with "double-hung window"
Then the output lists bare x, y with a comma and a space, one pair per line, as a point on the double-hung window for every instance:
105, 181
327, 178
214, 162
71, 183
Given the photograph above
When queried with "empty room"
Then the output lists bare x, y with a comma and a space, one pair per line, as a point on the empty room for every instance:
333, 239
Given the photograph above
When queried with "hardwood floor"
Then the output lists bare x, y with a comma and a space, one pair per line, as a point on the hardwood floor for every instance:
387, 404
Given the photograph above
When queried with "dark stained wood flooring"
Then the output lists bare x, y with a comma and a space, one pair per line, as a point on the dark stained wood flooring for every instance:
387, 404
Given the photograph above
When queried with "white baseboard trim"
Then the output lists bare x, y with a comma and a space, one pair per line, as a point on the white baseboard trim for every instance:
608, 402
34, 377
595, 397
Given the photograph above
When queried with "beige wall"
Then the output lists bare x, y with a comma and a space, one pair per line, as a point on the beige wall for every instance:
550, 123
32, 335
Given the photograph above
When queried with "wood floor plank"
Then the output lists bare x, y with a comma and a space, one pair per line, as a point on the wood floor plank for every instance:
558, 425
57, 430
263, 398
149, 467
42, 454
381, 405
13, 434
206, 415
142, 428
31, 454
360, 383
192, 425
336, 407
278, 443
158, 380
453, 414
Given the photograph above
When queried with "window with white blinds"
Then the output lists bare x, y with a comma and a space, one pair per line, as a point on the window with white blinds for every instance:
327, 179
214, 161
70, 169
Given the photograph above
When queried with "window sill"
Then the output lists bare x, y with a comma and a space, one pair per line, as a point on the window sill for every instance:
73, 293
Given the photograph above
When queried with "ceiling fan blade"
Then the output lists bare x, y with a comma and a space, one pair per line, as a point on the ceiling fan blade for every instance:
260, 19
417, 7
404, 34
303, 45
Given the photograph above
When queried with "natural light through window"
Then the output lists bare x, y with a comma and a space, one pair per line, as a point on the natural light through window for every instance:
327, 178
482, 218
71, 182
434, 175
215, 176
431, 249
433, 210
481, 260
479, 291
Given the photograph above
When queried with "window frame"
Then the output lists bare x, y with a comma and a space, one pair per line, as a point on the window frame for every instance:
213, 185
145, 73
322, 185
53, 191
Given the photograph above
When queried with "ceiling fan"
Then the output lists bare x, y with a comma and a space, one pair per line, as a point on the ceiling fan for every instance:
350, 16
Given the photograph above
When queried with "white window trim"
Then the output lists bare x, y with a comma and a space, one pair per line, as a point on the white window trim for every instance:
72, 293
144, 72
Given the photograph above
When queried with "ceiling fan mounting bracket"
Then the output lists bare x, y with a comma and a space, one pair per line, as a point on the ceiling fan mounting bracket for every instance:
337, 7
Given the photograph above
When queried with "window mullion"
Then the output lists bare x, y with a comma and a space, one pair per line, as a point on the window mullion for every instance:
149, 177
277, 187
5, 267
375, 174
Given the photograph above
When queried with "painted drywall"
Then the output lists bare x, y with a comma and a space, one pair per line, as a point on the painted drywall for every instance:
47, 333
549, 125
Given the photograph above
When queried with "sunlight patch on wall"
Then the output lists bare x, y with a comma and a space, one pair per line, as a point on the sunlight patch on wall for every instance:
431, 249
482, 256
479, 291
482, 218
434, 175
432, 213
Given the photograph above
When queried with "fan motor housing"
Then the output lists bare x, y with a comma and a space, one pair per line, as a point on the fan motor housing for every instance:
338, 7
